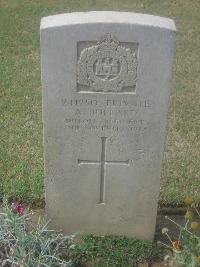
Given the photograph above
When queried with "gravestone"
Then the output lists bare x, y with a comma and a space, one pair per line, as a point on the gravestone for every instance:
105, 79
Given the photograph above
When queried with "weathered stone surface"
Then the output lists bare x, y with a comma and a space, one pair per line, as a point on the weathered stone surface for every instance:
106, 79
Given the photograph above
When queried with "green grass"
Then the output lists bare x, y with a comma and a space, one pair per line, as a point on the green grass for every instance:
21, 162
115, 251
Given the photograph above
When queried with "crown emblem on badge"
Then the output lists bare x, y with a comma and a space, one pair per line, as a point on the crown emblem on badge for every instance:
108, 42
107, 66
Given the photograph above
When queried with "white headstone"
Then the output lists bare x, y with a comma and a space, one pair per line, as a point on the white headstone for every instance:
106, 79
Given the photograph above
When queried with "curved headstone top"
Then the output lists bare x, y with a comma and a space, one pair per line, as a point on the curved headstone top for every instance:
107, 17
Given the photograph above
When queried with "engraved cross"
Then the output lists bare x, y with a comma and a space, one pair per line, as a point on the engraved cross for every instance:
103, 162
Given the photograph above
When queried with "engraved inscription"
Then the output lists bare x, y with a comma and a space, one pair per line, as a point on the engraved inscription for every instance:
108, 103
107, 67
103, 164
106, 115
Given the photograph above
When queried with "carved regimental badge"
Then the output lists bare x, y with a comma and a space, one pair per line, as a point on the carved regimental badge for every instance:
107, 67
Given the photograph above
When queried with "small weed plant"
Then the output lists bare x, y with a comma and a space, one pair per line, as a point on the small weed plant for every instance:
186, 250
22, 245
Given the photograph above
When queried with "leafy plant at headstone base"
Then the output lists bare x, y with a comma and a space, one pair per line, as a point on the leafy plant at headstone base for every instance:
115, 251
22, 245
186, 250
